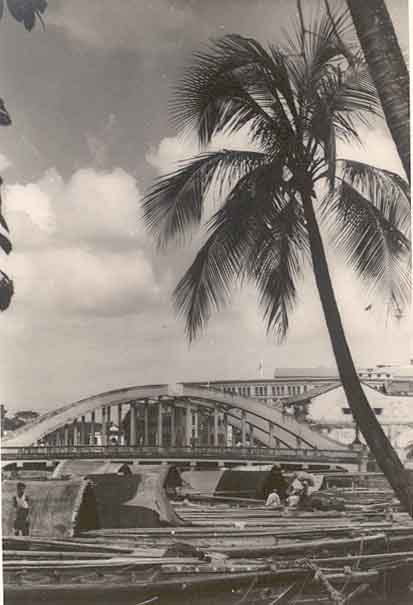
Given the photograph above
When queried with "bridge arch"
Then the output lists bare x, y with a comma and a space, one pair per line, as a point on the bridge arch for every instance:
142, 412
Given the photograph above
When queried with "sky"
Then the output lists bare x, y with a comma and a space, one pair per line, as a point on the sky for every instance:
92, 311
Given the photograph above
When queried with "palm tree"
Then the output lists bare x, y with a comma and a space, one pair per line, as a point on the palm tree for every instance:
293, 105
387, 68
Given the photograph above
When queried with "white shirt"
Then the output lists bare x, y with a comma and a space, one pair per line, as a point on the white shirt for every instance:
273, 500
21, 501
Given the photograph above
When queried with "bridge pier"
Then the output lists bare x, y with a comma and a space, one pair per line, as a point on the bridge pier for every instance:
103, 430
92, 427
145, 436
188, 425
225, 421
243, 428
216, 418
270, 434
83, 440
66, 435
120, 430
251, 434
132, 424
159, 431
74, 432
173, 425
108, 424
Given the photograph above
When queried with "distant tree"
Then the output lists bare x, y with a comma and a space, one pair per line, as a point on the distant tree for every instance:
26, 12
294, 105
26, 416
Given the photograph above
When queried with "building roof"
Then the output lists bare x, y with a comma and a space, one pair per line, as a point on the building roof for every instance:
318, 372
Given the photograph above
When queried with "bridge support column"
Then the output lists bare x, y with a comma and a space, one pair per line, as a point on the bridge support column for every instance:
251, 433
173, 426
243, 428
188, 427
92, 428
120, 431
66, 435
108, 424
216, 418
208, 427
75, 433
104, 429
270, 434
225, 429
82, 431
159, 429
146, 424
132, 424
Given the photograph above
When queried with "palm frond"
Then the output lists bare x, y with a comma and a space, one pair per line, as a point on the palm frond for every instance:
367, 233
5, 243
175, 202
235, 230
349, 97
377, 183
317, 51
6, 291
276, 263
235, 80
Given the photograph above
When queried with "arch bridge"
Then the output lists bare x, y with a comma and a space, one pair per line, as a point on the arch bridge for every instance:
184, 417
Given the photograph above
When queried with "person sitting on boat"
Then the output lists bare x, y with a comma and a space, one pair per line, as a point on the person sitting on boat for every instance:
304, 499
21, 504
296, 486
293, 500
273, 499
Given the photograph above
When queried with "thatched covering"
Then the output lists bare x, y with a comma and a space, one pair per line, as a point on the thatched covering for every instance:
57, 508
202, 481
138, 500
83, 468
239, 482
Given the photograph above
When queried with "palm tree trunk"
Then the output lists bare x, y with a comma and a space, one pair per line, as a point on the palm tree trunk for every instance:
387, 68
376, 439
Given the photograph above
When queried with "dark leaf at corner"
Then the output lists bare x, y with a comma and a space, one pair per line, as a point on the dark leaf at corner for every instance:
5, 119
5, 243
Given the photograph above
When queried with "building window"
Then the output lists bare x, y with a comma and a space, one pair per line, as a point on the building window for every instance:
346, 411
378, 411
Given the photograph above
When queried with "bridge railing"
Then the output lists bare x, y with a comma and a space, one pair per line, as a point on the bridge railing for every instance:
156, 452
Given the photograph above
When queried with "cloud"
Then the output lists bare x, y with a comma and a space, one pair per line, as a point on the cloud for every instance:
172, 150
78, 246
108, 25
4, 162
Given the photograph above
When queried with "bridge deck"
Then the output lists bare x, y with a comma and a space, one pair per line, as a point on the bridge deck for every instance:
241, 454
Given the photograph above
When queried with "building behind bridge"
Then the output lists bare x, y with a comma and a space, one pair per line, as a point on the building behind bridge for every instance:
294, 382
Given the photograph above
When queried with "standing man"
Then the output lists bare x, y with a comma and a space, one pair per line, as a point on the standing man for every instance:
21, 505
